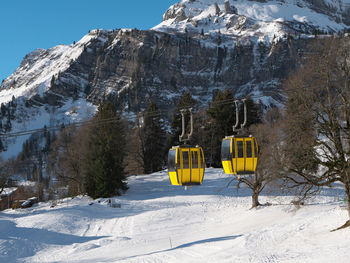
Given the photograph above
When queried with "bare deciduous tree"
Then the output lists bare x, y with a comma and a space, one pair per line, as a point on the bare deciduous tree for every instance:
6, 170
68, 158
268, 137
135, 146
316, 152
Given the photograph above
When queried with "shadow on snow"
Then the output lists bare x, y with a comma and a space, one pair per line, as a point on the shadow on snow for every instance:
215, 183
24, 242
187, 245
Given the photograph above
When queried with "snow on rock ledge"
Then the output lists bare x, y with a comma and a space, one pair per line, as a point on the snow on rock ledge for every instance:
225, 16
38, 67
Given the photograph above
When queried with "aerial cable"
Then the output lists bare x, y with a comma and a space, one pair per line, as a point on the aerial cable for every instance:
157, 113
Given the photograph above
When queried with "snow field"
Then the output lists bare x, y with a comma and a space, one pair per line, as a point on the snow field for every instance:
158, 222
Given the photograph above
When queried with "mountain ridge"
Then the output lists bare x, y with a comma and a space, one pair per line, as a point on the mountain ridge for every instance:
240, 18
132, 67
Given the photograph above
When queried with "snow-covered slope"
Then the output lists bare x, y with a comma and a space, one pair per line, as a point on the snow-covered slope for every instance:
266, 20
38, 67
158, 222
33, 80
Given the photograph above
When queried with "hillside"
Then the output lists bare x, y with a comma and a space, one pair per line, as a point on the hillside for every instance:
201, 47
158, 222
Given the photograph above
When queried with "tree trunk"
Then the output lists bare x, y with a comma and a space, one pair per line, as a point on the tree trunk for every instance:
347, 195
255, 199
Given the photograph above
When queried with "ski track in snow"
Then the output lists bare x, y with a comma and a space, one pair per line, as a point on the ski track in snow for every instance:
158, 222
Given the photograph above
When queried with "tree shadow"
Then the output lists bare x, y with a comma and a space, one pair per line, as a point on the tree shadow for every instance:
190, 244
208, 240
94, 210
347, 224
25, 242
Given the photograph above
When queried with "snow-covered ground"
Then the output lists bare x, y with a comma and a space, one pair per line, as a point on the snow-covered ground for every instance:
158, 222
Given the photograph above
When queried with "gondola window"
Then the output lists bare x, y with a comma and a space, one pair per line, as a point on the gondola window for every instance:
171, 160
194, 160
186, 161
240, 149
225, 150
249, 149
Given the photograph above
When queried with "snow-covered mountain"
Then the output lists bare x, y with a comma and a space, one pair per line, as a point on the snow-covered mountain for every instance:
201, 46
35, 73
262, 19
31, 97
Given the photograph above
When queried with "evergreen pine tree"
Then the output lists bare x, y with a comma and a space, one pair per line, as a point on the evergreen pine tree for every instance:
3, 109
47, 142
53, 81
222, 113
105, 155
75, 93
2, 147
8, 125
154, 140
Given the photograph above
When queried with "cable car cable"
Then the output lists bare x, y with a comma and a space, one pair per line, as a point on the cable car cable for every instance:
103, 121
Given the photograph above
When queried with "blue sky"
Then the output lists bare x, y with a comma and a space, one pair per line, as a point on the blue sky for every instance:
26, 25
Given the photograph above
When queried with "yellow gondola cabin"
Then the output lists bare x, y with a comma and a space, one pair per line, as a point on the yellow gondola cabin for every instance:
186, 165
239, 154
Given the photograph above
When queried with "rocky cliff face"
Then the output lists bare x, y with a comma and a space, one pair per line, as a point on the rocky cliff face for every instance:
201, 46
132, 67
137, 66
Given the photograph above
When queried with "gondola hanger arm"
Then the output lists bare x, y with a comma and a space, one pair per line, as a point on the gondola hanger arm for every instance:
181, 137
245, 114
191, 123
237, 116
182, 124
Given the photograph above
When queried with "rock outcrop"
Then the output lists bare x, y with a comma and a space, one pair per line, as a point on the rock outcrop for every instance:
217, 9
228, 9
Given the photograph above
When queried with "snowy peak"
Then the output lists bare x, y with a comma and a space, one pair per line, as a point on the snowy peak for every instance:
47, 89
205, 46
263, 19
37, 69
